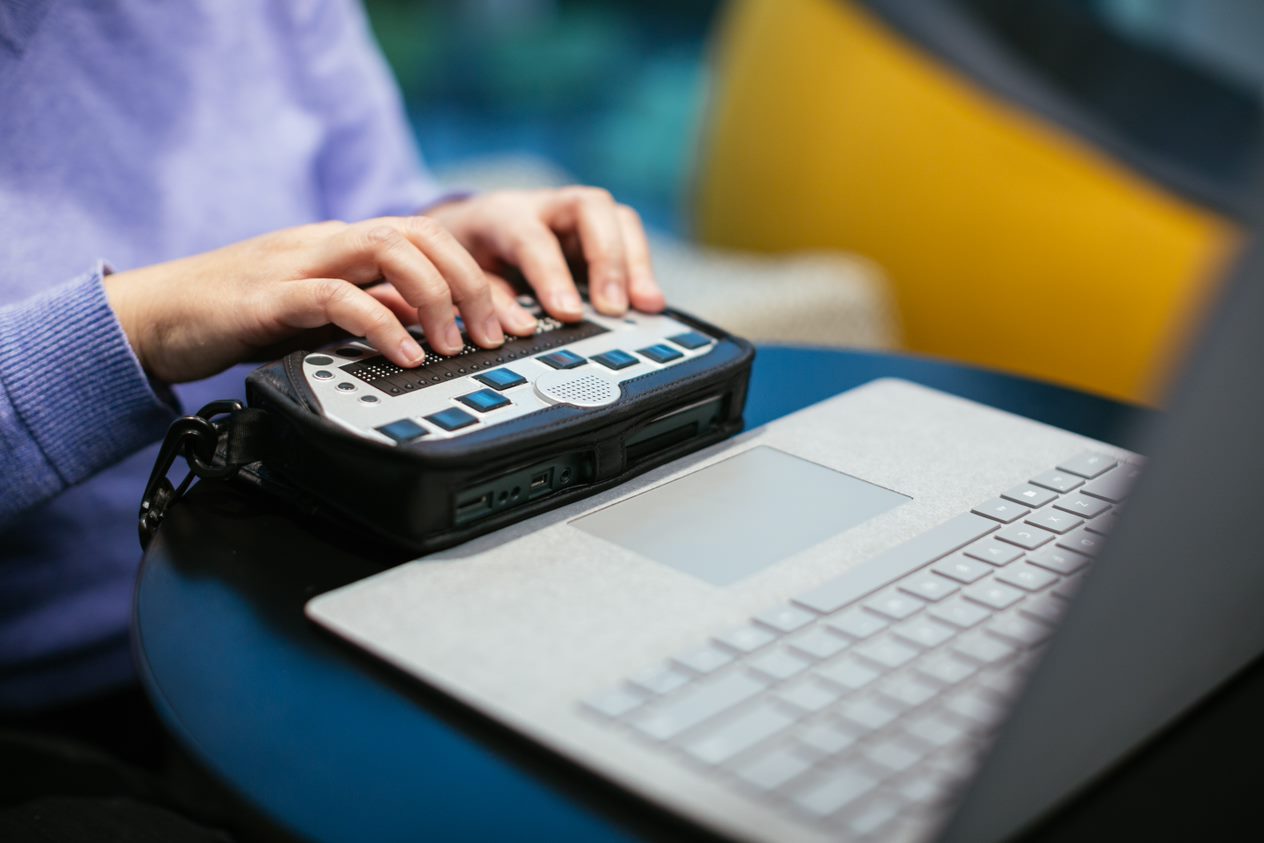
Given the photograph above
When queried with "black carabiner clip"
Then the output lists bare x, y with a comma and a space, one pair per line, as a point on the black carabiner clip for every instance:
195, 438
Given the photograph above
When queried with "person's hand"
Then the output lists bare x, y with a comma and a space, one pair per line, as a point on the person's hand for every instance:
536, 230
193, 317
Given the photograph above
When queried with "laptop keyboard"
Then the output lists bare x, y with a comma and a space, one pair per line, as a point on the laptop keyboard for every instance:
861, 703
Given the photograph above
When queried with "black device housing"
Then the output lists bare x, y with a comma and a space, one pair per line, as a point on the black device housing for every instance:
428, 495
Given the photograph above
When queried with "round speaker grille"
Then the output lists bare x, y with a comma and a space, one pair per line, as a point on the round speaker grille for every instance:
576, 389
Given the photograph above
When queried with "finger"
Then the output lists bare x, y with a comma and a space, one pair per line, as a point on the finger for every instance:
593, 213
389, 296
323, 301
643, 291
469, 286
534, 249
516, 319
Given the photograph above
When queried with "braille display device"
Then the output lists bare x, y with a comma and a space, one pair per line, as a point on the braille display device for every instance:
464, 444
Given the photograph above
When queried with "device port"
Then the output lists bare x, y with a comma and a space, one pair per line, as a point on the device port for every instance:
474, 506
541, 482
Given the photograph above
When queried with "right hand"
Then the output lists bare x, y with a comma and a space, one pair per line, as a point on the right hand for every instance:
194, 317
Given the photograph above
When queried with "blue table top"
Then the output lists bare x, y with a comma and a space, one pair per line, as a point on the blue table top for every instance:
335, 747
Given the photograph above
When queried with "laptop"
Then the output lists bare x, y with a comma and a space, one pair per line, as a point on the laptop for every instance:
893, 615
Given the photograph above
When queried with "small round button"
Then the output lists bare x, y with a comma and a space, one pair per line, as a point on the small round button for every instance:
369, 399
323, 374
319, 360
346, 386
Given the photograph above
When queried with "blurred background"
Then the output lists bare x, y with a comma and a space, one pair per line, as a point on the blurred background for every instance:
1049, 187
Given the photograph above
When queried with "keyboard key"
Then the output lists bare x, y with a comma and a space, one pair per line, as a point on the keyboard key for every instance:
867, 713
847, 672
993, 594
874, 815
978, 709
690, 340
946, 668
885, 651
778, 664
484, 400
819, 643
929, 586
785, 618
717, 742
1067, 588
1018, 629
1027, 577
982, 649
615, 359
923, 788
1055, 520
1029, 495
1083, 506
962, 568
924, 632
501, 379
404, 430
660, 353
907, 690
1057, 559
857, 622
1088, 465
562, 359
935, 730
695, 704
1045, 608
1081, 541
828, 737
1001, 510
1116, 485
746, 639
773, 768
894, 605
1004, 683
452, 419
661, 680
893, 753
917, 552
1058, 481
1024, 536
829, 791
617, 702
1104, 525
808, 695
993, 552
960, 613
705, 659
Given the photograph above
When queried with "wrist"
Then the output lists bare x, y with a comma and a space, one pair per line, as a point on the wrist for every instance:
126, 297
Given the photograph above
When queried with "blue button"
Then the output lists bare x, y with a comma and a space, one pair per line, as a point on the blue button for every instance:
501, 379
562, 359
484, 400
691, 340
661, 353
404, 430
452, 419
615, 359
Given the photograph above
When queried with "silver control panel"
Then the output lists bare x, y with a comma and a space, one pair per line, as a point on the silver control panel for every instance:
581, 364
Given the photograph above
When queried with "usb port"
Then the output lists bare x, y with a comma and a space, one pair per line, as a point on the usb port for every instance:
541, 482
467, 508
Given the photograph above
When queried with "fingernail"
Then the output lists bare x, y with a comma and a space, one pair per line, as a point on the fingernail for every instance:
524, 321
567, 301
452, 335
411, 351
616, 297
492, 326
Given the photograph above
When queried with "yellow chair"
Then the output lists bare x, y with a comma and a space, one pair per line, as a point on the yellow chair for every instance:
1010, 242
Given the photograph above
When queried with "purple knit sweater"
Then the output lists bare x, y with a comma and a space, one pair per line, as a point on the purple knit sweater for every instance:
130, 133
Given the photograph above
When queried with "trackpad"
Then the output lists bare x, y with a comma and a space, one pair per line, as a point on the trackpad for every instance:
740, 515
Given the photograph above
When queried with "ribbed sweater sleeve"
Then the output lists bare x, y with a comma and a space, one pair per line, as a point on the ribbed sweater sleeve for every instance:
73, 397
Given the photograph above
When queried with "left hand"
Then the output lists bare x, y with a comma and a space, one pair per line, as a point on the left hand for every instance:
534, 230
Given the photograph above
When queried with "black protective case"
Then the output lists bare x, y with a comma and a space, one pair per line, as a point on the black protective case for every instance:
418, 494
